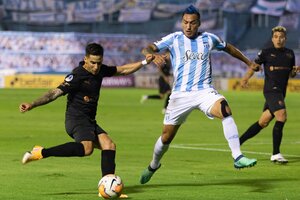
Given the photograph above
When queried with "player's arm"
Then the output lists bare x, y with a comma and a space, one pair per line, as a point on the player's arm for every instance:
246, 77
159, 60
51, 95
233, 51
133, 67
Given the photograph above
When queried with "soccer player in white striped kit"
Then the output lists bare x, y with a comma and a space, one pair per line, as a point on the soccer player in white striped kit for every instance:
192, 88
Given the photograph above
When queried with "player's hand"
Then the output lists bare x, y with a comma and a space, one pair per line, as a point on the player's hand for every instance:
244, 83
296, 69
159, 60
24, 107
149, 58
255, 67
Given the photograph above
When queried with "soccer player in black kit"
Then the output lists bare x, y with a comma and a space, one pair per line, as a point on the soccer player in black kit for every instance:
164, 87
278, 64
83, 88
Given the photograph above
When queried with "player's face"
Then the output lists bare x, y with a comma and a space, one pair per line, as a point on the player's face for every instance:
278, 39
92, 63
190, 24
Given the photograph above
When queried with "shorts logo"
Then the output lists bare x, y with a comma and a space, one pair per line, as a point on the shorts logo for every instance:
281, 103
86, 99
69, 77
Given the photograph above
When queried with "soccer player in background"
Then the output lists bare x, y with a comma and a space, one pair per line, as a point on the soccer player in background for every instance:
192, 88
83, 88
279, 65
164, 87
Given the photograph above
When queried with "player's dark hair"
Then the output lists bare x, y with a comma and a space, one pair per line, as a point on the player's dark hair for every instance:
94, 49
192, 10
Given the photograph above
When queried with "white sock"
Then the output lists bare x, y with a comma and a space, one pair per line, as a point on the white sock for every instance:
232, 136
159, 150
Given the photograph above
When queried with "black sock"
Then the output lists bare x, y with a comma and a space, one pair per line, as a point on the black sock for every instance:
65, 150
167, 101
108, 162
277, 136
253, 130
155, 96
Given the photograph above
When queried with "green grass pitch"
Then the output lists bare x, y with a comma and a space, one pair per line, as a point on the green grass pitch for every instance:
198, 164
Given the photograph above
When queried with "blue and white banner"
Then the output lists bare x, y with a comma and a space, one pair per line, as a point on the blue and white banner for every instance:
34, 5
293, 6
135, 15
269, 7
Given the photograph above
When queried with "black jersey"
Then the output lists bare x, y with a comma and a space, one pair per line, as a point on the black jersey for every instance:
278, 63
83, 89
166, 70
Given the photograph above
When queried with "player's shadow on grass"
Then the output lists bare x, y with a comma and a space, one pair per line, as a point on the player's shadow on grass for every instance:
256, 185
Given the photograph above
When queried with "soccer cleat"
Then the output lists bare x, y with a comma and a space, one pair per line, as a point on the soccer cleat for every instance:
144, 98
147, 174
34, 154
278, 158
242, 162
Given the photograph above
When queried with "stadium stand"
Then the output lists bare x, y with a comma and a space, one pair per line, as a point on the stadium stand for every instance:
48, 36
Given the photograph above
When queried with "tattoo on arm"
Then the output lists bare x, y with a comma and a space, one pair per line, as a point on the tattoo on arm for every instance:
51, 95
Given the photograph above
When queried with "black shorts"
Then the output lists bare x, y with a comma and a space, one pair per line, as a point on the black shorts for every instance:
83, 129
274, 101
164, 87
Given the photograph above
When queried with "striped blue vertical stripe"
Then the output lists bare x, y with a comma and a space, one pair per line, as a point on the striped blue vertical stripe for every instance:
204, 65
192, 67
181, 64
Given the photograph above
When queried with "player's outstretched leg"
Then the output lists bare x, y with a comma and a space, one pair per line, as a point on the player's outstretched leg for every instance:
242, 162
34, 154
147, 174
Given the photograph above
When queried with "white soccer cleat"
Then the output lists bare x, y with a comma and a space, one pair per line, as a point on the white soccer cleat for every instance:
34, 154
144, 98
279, 159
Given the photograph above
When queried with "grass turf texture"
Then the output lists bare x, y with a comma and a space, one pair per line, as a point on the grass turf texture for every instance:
198, 165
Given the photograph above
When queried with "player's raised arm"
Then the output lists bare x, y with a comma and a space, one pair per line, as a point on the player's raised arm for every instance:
51, 95
133, 67
233, 51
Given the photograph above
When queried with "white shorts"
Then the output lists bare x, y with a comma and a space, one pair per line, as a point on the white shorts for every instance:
181, 104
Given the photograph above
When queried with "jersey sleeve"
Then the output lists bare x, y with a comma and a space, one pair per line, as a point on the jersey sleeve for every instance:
165, 42
71, 83
293, 58
218, 43
260, 57
108, 71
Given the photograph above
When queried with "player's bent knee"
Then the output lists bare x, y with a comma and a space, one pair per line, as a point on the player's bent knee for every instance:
225, 108
263, 124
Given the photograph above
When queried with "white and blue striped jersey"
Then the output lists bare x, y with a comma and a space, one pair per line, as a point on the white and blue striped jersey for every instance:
190, 59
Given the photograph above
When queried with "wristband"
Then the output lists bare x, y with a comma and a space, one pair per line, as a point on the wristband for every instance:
144, 62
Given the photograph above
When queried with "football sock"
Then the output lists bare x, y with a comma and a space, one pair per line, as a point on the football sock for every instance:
167, 101
232, 136
253, 130
64, 150
155, 96
159, 150
108, 164
277, 136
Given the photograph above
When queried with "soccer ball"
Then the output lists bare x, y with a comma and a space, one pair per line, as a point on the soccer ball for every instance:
110, 186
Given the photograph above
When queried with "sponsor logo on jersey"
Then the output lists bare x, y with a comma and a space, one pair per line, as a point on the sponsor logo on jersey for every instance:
189, 55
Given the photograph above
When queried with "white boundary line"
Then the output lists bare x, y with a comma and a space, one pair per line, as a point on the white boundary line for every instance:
186, 146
